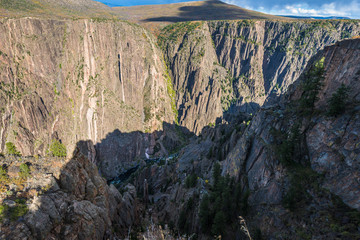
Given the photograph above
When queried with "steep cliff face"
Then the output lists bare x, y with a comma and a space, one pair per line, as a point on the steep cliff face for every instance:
226, 66
295, 168
329, 144
106, 81
76, 80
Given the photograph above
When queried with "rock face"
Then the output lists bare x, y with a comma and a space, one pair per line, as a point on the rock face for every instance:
330, 144
105, 82
69, 200
78, 80
333, 144
227, 66
294, 169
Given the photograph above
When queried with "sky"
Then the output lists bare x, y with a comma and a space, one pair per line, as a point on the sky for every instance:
323, 8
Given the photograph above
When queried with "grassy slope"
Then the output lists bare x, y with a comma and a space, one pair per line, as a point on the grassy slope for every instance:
190, 11
153, 16
54, 8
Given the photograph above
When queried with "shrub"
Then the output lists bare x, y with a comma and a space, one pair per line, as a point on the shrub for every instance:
11, 149
286, 144
24, 171
2, 172
190, 181
3, 210
216, 174
185, 221
57, 149
3, 175
14, 213
219, 223
312, 86
205, 214
221, 208
338, 101
19, 210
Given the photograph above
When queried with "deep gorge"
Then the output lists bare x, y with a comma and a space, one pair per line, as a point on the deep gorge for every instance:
225, 92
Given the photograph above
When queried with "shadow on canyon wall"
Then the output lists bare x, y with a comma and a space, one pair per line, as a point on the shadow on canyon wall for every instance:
130, 149
209, 10
72, 199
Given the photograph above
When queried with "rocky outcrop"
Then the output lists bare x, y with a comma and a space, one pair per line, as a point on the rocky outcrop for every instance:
329, 144
227, 66
78, 79
106, 82
334, 143
66, 200
296, 170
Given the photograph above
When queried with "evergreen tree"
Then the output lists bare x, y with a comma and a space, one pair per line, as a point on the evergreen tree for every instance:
338, 101
312, 86
217, 175
205, 215
219, 223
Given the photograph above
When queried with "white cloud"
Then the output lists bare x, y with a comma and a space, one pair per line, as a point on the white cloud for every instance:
330, 9
335, 8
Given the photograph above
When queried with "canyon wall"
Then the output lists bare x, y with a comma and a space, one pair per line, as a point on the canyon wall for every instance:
225, 66
74, 80
295, 168
106, 81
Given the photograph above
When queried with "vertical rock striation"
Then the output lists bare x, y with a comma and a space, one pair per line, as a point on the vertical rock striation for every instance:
226, 66
76, 80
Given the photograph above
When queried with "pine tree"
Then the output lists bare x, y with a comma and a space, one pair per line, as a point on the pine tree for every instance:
219, 223
217, 175
338, 101
205, 215
312, 86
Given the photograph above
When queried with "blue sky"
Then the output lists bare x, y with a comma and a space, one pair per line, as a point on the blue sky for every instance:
344, 8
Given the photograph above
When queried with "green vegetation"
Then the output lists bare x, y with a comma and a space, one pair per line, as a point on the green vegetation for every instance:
3, 174
10, 90
21, 5
11, 149
227, 91
191, 180
287, 148
4, 179
224, 203
286, 145
24, 171
173, 32
219, 223
248, 40
147, 114
172, 94
338, 100
345, 34
3, 211
301, 178
311, 87
185, 220
57, 149
14, 213
246, 23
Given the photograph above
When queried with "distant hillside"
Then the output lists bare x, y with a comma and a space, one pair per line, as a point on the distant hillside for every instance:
149, 15
189, 11
54, 8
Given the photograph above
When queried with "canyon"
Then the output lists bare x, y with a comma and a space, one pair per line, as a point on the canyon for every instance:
175, 107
